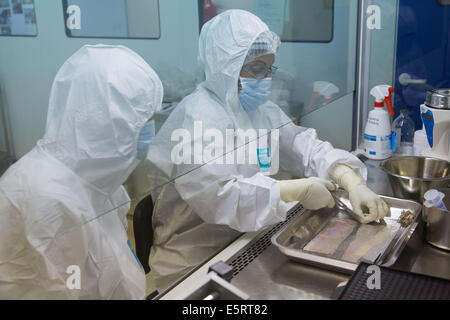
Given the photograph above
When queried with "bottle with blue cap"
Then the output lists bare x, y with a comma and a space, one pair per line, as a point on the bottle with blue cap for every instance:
403, 129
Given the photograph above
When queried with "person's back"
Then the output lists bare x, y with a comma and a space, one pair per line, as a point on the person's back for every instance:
36, 218
63, 206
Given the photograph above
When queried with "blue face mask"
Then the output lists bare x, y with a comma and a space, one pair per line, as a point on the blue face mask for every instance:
254, 92
145, 139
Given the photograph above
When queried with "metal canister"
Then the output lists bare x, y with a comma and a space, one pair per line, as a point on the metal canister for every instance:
438, 98
437, 223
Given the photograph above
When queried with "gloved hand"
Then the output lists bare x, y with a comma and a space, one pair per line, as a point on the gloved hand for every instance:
312, 193
360, 195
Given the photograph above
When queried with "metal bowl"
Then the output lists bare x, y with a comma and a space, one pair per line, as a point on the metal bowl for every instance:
411, 177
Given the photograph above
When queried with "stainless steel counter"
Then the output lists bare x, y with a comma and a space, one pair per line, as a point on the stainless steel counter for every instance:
268, 274
418, 256
273, 276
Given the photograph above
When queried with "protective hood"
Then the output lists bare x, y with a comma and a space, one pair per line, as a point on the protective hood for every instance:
100, 100
223, 46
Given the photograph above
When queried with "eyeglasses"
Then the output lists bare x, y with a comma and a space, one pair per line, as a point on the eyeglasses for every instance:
259, 70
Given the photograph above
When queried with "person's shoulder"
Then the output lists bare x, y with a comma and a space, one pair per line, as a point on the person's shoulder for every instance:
271, 105
200, 98
274, 112
201, 105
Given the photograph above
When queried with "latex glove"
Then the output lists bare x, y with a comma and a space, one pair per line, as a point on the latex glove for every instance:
360, 195
312, 193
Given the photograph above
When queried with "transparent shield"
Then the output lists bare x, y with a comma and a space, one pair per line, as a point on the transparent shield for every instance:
210, 172
313, 86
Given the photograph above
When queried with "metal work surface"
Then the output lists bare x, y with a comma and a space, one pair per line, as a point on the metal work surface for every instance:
262, 272
418, 256
271, 275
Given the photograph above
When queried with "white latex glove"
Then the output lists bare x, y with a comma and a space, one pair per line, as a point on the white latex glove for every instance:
312, 193
360, 195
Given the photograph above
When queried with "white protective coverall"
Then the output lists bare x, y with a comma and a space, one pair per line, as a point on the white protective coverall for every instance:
54, 200
206, 207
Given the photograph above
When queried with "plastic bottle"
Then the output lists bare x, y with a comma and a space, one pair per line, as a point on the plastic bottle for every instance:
403, 135
433, 198
377, 134
420, 142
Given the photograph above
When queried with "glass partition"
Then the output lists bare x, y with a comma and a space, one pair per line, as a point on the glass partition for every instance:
195, 158
210, 173
310, 76
204, 155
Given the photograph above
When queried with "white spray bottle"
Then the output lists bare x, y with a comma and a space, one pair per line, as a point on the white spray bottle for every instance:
377, 135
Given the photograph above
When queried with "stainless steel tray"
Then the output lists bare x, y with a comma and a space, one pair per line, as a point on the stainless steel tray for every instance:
293, 237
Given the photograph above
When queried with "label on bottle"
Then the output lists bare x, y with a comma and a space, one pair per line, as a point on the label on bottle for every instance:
368, 137
264, 159
378, 147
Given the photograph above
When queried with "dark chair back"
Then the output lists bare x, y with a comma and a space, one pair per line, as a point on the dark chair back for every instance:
143, 231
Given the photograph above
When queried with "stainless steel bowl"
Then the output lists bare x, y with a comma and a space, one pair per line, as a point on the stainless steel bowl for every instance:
411, 177
437, 223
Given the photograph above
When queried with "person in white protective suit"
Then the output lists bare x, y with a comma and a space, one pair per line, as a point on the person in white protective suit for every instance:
62, 205
199, 209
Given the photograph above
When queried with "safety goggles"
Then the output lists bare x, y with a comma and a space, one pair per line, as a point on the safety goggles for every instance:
259, 70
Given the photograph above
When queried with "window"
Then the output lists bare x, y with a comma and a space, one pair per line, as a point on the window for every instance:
292, 20
17, 18
112, 18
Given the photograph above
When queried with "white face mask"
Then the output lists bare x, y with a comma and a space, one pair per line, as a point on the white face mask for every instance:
254, 93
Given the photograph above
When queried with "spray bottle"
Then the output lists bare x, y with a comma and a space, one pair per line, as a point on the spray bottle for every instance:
377, 135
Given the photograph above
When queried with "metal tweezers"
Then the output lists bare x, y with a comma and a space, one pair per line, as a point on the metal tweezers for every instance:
342, 206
